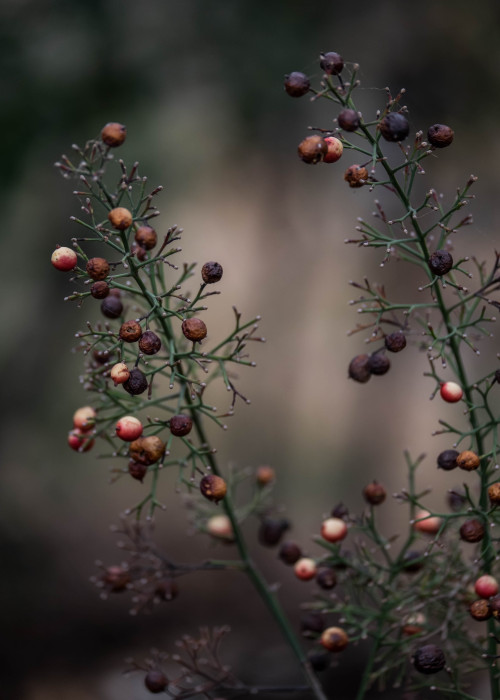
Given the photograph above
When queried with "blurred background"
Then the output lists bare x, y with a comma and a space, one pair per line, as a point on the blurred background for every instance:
199, 86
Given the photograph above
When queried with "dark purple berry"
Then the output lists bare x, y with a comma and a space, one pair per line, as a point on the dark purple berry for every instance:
348, 120
290, 552
429, 659
111, 307
359, 369
297, 84
137, 383
331, 62
395, 342
472, 531
149, 343
271, 531
440, 262
379, 363
326, 578
440, 135
211, 272
447, 460
394, 127
155, 681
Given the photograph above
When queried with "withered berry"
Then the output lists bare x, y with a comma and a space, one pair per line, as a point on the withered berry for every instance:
394, 127
155, 681
326, 578
102, 356
211, 272
356, 176
139, 252
440, 135
494, 604
359, 368
472, 531
290, 552
468, 460
379, 363
147, 450
334, 639
97, 268
497, 376
447, 460
112, 307
137, 470
440, 262
180, 425
297, 84
271, 531
348, 120
331, 62
114, 134
494, 493
149, 343
99, 290
213, 487
312, 149
137, 382
480, 610
374, 493
146, 237
130, 331
119, 373
395, 342
120, 218
429, 659
194, 329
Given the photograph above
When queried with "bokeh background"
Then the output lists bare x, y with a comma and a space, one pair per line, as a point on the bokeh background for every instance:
199, 86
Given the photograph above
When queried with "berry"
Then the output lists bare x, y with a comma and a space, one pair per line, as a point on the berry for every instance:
116, 578
211, 272
146, 237
271, 531
166, 590
139, 252
480, 610
468, 460
155, 681
149, 343
213, 487
97, 268
130, 331
359, 369
180, 425
129, 428
119, 373
394, 127
312, 622
120, 218
297, 84
194, 329
335, 150
472, 531
395, 342
356, 176
447, 460
84, 418
220, 526
79, 441
305, 569
494, 493
440, 135
440, 262
137, 382
451, 392
312, 149
99, 290
136, 470
290, 553
410, 629
412, 561
348, 120
326, 578
331, 62
64, 259
494, 604
374, 493
265, 475
379, 364
427, 523
112, 307
147, 450
429, 659
333, 529
334, 639
486, 586
102, 356
114, 134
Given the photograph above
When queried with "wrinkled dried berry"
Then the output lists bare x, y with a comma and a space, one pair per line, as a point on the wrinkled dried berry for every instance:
136, 383
137, 470
147, 450
480, 610
211, 272
120, 218
146, 237
194, 329
394, 127
113, 134
271, 531
130, 331
359, 368
440, 262
447, 460
395, 342
356, 176
468, 460
312, 149
99, 290
112, 307
97, 268
472, 531
331, 62
440, 135
180, 425
379, 363
494, 493
213, 487
429, 659
149, 343
348, 120
297, 84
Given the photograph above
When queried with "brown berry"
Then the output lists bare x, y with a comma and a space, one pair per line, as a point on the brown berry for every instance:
213, 487
137, 382
271, 531
155, 681
359, 368
326, 578
116, 578
112, 307
137, 470
374, 493
447, 460
139, 252
97, 268
472, 531
290, 553
356, 176
120, 218
114, 134
99, 290
331, 62
149, 343
394, 127
102, 356
440, 262
130, 331
265, 475
194, 329
147, 450
379, 363
440, 135
334, 639
297, 84
180, 425
312, 149
495, 605
348, 120
211, 272
494, 493
480, 610
429, 659
468, 460
146, 237
395, 342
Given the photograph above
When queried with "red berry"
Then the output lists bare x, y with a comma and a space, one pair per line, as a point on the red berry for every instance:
426, 523
64, 259
451, 392
305, 569
129, 428
79, 441
486, 586
333, 529
335, 150
84, 418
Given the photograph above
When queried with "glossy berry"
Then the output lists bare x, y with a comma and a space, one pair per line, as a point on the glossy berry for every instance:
359, 369
429, 659
356, 176
64, 259
130, 331
146, 237
468, 460
440, 135
494, 493
211, 272
440, 262
97, 268
180, 425
451, 392
129, 428
99, 290
194, 329
335, 150
472, 531
137, 470
334, 639
116, 578
480, 610
379, 364
120, 218
213, 487
147, 450
119, 373
395, 342
486, 586
111, 307
305, 569
374, 493
113, 134
331, 62
149, 343
447, 460
326, 578
271, 531
290, 553
333, 530
265, 475
312, 149
348, 120
427, 523
394, 127
155, 681
220, 526
297, 84
137, 382
79, 441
